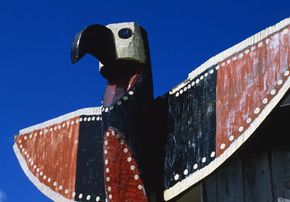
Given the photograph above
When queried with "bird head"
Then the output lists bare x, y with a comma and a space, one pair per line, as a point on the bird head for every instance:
119, 47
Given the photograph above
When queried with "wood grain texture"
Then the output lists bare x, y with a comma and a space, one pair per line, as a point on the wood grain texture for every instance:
245, 81
260, 170
51, 155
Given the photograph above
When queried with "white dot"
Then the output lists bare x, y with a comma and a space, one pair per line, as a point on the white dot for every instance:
280, 82
88, 197
223, 64
257, 110
185, 88
19, 141
177, 94
44, 177
41, 173
125, 98
285, 31
25, 137
73, 194
247, 51
106, 161
98, 118
265, 100
202, 77
260, 44
106, 109
109, 188
111, 108
35, 134
241, 128
107, 170
55, 127
125, 150
20, 146
117, 136
131, 92
89, 119
212, 154
222, 146
129, 159
228, 61
136, 177
211, 71
273, 92
203, 159
30, 136
59, 126
122, 142
217, 67
45, 131
185, 172
286, 73
107, 134
181, 91
66, 191
241, 55
106, 142
132, 167
140, 187
80, 196
49, 180
189, 86
93, 118
108, 179
105, 151
110, 196
253, 48
249, 120
60, 187
176, 177
231, 138
37, 170
192, 83
54, 184
197, 81
267, 41
235, 58
195, 166
98, 198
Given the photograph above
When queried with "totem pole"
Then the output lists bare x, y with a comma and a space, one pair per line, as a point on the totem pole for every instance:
137, 148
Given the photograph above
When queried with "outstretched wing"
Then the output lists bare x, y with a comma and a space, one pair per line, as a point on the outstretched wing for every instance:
222, 103
63, 157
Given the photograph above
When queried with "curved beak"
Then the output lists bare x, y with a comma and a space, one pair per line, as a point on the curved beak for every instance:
96, 40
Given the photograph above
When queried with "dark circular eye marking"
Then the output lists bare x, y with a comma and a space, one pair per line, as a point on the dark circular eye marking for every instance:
125, 33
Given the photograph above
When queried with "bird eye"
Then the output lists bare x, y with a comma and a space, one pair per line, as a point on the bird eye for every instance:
125, 33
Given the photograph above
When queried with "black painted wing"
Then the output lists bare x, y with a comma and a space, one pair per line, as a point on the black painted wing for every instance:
212, 113
63, 157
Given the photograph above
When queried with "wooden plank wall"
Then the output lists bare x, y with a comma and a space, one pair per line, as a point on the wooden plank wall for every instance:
260, 171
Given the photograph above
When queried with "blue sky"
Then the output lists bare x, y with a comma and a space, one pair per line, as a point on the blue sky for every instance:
38, 82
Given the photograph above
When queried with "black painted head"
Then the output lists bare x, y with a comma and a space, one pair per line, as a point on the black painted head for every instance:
118, 47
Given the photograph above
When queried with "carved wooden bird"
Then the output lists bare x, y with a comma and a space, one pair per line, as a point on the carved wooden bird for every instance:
137, 148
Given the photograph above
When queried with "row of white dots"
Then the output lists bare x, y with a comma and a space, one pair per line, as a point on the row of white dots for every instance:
193, 83
241, 128
228, 61
48, 179
129, 159
119, 102
195, 166
60, 126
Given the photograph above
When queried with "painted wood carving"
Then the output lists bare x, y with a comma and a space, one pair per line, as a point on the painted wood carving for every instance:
135, 148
